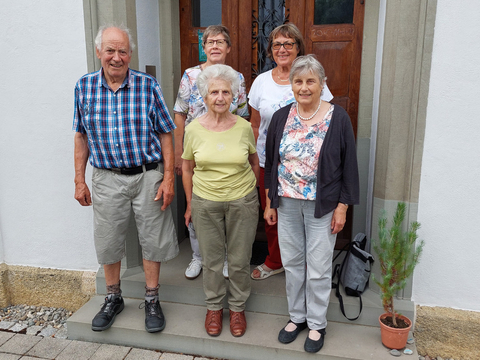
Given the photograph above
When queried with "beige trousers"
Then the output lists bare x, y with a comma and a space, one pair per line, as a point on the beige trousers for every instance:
230, 223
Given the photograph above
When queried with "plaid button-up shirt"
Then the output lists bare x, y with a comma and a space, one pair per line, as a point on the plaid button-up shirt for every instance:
122, 126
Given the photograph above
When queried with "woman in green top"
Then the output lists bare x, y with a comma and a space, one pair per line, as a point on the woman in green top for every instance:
220, 173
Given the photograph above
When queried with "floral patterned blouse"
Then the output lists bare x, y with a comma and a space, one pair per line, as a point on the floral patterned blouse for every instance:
190, 102
299, 150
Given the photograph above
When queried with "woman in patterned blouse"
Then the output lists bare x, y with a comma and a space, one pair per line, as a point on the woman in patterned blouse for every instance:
311, 177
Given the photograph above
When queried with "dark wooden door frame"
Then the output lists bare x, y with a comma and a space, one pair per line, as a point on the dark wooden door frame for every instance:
237, 17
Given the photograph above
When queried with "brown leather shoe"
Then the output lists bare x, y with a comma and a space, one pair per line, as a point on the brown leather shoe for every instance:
213, 322
238, 323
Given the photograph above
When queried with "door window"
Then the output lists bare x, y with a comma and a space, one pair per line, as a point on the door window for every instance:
206, 12
271, 13
333, 12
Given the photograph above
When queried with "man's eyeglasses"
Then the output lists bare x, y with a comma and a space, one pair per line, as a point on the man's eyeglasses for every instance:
210, 43
287, 45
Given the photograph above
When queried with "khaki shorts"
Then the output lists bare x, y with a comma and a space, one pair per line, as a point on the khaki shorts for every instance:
114, 196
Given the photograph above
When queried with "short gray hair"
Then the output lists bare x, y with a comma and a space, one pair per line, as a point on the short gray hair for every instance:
214, 30
221, 72
305, 64
123, 28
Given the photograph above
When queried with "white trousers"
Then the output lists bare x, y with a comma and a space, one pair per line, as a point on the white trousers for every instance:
194, 242
306, 247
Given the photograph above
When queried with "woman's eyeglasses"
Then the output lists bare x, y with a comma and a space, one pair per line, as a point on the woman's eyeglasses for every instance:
210, 43
287, 45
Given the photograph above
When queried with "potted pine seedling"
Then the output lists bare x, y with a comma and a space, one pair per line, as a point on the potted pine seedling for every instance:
398, 254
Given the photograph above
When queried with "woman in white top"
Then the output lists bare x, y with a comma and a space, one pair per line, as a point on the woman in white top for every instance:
269, 92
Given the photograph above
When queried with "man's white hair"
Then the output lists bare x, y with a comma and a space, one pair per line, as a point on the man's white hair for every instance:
98, 38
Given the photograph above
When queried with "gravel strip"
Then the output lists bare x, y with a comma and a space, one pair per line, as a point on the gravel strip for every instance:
35, 320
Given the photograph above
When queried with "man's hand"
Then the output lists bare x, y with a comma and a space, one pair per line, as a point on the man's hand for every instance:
167, 190
82, 194
167, 187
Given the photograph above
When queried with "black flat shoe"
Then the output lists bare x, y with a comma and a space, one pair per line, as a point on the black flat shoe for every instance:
313, 346
286, 337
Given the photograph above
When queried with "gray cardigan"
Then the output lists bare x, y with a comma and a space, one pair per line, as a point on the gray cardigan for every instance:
337, 173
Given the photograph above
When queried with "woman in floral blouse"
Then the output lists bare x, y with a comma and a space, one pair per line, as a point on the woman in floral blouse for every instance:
311, 177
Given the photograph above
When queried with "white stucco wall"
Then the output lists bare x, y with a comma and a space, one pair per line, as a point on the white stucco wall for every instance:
43, 55
449, 209
1, 247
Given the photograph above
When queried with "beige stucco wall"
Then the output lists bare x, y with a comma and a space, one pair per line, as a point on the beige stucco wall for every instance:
4, 293
45, 287
403, 93
405, 76
448, 333
365, 109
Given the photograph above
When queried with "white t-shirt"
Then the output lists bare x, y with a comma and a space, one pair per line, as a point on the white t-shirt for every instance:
266, 96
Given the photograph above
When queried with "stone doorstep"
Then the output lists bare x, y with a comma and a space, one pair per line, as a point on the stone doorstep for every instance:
267, 296
185, 333
183, 301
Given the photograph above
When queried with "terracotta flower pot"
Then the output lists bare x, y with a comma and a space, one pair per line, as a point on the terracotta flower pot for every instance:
394, 338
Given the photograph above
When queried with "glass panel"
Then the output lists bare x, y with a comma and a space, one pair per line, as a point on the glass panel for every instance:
271, 13
206, 12
333, 12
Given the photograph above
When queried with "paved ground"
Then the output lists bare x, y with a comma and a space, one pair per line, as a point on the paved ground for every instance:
29, 347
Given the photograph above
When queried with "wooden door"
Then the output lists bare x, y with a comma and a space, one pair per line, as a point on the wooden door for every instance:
333, 31
236, 15
337, 46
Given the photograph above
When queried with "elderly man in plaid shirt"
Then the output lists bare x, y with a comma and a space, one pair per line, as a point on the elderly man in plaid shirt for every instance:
123, 127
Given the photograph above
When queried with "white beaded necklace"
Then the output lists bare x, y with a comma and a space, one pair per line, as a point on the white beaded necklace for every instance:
311, 117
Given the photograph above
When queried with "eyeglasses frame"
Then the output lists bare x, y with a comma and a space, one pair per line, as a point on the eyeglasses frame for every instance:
215, 42
283, 44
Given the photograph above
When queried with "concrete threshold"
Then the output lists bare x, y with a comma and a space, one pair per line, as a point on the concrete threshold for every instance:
267, 296
185, 333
